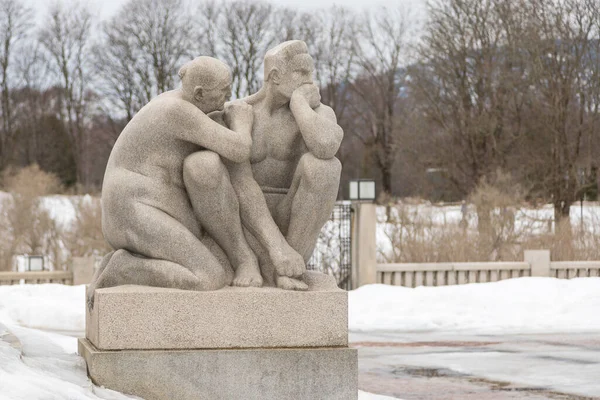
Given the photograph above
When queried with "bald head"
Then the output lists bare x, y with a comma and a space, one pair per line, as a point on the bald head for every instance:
206, 83
283, 55
205, 72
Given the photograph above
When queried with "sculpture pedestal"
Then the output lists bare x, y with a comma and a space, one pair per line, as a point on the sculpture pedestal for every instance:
233, 343
219, 374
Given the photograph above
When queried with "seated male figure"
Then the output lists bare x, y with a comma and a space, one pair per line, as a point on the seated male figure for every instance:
288, 188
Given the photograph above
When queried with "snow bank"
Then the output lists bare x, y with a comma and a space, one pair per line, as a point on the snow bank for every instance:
524, 305
45, 306
48, 369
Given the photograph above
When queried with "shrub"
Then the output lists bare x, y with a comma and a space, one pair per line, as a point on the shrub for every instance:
85, 237
27, 227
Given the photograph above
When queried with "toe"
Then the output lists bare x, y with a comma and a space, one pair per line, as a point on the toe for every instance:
301, 286
256, 283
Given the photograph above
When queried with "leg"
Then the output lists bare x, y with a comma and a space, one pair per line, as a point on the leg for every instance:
216, 207
154, 234
306, 208
309, 202
124, 268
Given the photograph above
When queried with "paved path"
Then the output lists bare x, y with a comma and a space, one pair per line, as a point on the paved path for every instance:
470, 367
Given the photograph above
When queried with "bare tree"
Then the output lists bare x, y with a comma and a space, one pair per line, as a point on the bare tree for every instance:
207, 28
560, 44
15, 23
32, 69
66, 38
381, 51
247, 35
141, 49
117, 66
336, 57
239, 33
470, 84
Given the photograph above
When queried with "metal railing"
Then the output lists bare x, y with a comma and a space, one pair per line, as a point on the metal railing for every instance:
333, 251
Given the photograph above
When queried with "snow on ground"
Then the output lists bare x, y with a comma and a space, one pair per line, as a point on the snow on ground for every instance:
49, 307
50, 369
61, 208
524, 305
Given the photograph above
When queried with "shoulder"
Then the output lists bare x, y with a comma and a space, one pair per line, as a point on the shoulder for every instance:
166, 102
255, 98
176, 108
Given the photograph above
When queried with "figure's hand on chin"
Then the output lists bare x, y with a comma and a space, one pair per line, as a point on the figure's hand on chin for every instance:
238, 113
310, 93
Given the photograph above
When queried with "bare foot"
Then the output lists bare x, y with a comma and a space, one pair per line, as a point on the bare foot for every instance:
287, 262
287, 283
247, 274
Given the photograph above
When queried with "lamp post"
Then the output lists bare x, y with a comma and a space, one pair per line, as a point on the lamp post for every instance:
361, 190
35, 263
361, 193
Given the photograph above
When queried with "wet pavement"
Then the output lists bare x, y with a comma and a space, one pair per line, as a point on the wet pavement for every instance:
484, 367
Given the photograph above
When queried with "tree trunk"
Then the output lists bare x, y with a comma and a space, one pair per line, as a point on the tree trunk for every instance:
386, 180
562, 248
484, 229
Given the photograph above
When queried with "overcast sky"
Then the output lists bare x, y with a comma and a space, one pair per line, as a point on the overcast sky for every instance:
107, 8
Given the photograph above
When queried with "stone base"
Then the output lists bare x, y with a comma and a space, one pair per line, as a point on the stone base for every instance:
219, 374
147, 318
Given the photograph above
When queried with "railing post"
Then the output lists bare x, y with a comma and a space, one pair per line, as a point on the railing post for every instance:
364, 246
539, 260
83, 270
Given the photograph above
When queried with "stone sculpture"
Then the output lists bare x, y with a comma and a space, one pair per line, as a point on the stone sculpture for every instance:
203, 195
199, 202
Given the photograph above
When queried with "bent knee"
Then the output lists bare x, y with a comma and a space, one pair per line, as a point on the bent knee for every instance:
320, 174
203, 168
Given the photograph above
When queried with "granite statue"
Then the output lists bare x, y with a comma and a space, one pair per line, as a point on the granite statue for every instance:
294, 142
199, 194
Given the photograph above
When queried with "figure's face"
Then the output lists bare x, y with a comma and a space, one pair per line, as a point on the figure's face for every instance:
298, 72
214, 100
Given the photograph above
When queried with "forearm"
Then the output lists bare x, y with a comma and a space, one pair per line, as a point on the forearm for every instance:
254, 213
232, 144
320, 132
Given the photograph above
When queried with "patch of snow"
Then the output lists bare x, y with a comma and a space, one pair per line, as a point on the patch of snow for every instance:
61, 209
45, 306
523, 305
371, 396
48, 369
